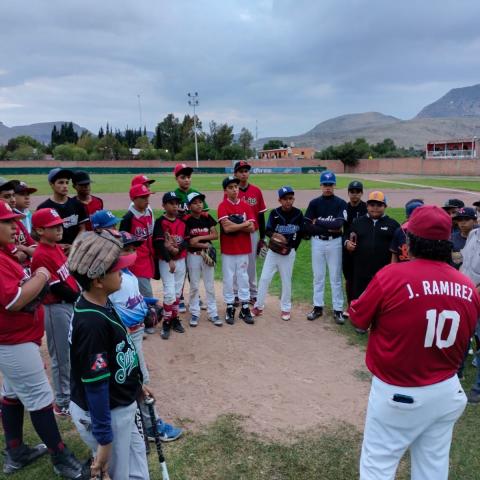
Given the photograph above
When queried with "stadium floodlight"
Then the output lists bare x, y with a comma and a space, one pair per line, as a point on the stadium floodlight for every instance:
194, 102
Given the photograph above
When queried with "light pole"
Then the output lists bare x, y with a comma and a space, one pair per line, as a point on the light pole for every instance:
193, 102
140, 110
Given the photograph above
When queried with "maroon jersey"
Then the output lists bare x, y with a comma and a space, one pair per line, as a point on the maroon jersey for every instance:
177, 230
91, 207
16, 327
422, 314
237, 243
54, 260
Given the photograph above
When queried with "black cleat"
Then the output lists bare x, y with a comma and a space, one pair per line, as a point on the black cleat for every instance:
317, 312
177, 325
166, 327
17, 458
246, 315
230, 314
338, 317
66, 465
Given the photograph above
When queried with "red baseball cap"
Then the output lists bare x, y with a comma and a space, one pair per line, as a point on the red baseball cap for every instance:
123, 261
139, 190
6, 212
182, 168
46, 217
430, 222
141, 180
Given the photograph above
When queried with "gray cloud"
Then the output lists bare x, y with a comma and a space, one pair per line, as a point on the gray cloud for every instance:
287, 63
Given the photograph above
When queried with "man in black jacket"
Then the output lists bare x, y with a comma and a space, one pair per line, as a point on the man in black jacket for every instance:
369, 242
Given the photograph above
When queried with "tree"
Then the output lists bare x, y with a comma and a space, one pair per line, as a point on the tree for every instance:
232, 152
168, 135
220, 136
67, 151
101, 133
87, 141
245, 140
274, 145
143, 143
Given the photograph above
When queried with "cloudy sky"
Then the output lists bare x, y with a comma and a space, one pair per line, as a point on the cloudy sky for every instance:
286, 64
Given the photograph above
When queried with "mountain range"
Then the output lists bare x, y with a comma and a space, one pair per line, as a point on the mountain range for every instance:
455, 115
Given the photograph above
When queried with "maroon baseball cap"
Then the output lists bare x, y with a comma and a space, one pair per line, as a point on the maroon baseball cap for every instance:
123, 261
182, 168
430, 222
140, 190
141, 180
6, 212
22, 188
46, 217
241, 164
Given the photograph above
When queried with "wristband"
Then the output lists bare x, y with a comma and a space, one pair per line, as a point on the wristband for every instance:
41, 272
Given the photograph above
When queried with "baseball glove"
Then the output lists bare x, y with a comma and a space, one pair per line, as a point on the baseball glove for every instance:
279, 244
209, 256
236, 218
171, 244
92, 253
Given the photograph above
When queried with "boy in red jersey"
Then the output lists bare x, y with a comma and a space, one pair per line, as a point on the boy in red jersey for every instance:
237, 222
63, 293
170, 243
139, 222
81, 183
422, 314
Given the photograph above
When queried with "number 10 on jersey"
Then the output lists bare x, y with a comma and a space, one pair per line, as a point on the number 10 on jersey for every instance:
435, 326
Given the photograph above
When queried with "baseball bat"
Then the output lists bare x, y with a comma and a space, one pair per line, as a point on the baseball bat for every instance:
149, 402
140, 422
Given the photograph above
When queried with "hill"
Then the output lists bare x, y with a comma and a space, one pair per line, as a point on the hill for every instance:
39, 131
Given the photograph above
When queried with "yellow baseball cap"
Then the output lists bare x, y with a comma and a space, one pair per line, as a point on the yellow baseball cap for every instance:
377, 196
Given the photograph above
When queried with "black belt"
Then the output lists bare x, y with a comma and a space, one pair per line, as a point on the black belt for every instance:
326, 237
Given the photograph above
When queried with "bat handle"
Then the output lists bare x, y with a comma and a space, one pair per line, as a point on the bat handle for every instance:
165, 475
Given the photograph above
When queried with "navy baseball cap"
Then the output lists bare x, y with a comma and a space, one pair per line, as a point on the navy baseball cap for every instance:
57, 173
355, 185
466, 212
192, 196
103, 219
228, 180
282, 191
81, 178
241, 164
328, 178
6, 184
170, 197
476, 204
453, 203
411, 205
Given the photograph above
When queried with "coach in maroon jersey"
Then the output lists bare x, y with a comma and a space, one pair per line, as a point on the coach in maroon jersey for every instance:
422, 314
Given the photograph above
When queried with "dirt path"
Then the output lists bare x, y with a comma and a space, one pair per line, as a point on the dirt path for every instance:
283, 376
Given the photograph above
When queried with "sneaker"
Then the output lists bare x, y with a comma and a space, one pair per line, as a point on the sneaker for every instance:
168, 433
66, 465
317, 312
193, 321
257, 312
285, 316
361, 331
62, 412
473, 398
230, 315
150, 330
338, 317
203, 306
177, 325
181, 307
166, 327
246, 314
217, 321
17, 458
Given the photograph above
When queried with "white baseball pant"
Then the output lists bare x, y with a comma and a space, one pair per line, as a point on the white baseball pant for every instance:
128, 460
198, 269
284, 265
327, 252
251, 269
424, 426
172, 282
235, 266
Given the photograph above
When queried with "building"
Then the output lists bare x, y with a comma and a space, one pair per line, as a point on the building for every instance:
463, 148
299, 153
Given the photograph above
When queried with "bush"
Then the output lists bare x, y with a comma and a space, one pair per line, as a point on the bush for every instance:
68, 151
24, 152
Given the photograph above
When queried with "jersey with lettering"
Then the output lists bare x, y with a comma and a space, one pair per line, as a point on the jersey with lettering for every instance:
183, 198
422, 314
288, 223
73, 214
254, 197
141, 225
54, 260
177, 230
236, 243
22, 326
102, 350
198, 227
91, 207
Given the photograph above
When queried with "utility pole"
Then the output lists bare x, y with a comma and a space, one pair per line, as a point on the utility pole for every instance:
193, 102
139, 110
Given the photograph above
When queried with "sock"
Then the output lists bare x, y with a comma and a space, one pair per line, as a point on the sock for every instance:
46, 427
167, 313
175, 308
12, 419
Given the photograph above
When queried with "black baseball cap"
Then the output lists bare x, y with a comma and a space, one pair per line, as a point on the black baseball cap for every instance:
170, 197
57, 173
453, 203
6, 184
22, 188
81, 178
476, 204
228, 180
355, 185
466, 212
241, 164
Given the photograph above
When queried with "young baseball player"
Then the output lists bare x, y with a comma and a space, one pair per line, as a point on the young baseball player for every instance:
170, 242
466, 219
106, 379
82, 184
70, 209
201, 232
141, 180
237, 222
104, 219
22, 203
254, 197
139, 222
58, 303
421, 315
25, 383
284, 228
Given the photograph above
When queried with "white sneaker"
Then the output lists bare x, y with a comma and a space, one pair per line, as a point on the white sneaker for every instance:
286, 316
217, 321
194, 321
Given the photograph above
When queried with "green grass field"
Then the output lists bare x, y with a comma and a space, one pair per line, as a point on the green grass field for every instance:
225, 451
472, 184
